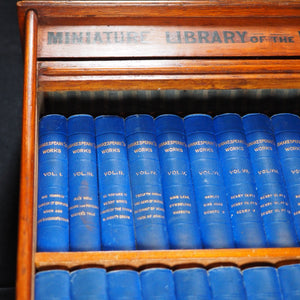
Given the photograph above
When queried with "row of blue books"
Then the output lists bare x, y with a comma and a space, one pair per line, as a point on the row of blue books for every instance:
220, 283
169, 182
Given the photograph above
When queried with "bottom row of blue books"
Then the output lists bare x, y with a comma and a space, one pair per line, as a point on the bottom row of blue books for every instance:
226, 282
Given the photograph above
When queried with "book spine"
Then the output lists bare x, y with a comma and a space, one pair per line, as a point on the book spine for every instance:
191, 284
83, 185
274, 203
262, 283
88, 284
157, 284
181, 210
226, 283
289, 281
124, 284
286, 128
52, 207
117, 228
210, 194
148, 203
52, 284
239, 181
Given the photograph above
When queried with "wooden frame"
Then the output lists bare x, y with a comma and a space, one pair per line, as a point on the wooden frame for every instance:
28, 157
73, 68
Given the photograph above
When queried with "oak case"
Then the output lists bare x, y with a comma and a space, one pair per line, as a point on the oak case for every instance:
87, 47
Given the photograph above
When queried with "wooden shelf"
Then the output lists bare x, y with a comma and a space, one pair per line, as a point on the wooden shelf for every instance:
170, 258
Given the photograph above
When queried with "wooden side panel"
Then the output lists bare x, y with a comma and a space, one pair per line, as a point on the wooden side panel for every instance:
27, 191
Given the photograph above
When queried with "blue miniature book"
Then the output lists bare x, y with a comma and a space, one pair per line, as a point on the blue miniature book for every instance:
274, 202
148, 203
117, 228
286, 128
157, 284
181, 210
52, 206
88, 284
238, 177
124, 285
226, 283
83, 185
191, 284
289, 277
262, 283
210, 193
52, 284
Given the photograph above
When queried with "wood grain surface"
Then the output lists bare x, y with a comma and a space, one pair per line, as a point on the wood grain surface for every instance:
25, 268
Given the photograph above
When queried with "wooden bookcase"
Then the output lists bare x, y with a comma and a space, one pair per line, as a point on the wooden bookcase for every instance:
91, 46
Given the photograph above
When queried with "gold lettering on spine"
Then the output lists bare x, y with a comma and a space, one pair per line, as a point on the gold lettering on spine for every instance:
228, 142
173, 149
146, 209
179, 204
82, 143
82, 151
142, 172
120, 212
202, 149
184, 206
110, 150
148, 212
83, 174
142, 150
56, 196
53, 143
292, 149
209, 212
212, 207
181, 212
242, 195
114, 173
53, 203
148, 201
207, 172
46, 174
234, 149
80, 214
201, 143
53, 219
242, 203
83, 206
298, 204
170, 142
111, 143
147, 194
263, 148
285, 142
260, 141
141, 143
53, 150
239, 171
268, 171
211, 197
243, 211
